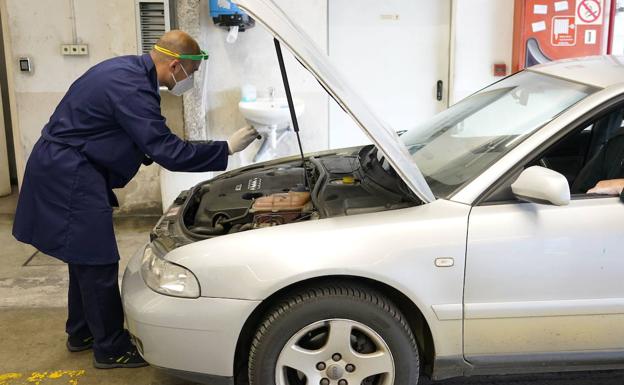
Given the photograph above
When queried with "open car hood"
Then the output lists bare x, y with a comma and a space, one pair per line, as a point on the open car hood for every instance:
314, 60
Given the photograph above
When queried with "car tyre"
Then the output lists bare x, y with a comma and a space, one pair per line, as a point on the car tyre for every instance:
299, 341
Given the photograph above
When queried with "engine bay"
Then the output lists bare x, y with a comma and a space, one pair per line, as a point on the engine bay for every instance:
294, 191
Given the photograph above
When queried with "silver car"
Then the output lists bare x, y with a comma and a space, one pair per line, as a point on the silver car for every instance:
466, 245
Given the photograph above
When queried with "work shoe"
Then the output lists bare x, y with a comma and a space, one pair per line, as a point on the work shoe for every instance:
130, 359
76, 344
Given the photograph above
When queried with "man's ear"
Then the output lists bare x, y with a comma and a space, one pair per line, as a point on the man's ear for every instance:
173, 64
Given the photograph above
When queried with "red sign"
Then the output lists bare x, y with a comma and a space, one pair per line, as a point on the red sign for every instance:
589, 11
546, 30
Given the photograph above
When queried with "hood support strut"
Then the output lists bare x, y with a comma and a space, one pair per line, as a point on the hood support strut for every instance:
291, 104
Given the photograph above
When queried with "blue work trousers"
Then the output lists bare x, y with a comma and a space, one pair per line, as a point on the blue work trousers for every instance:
95, 309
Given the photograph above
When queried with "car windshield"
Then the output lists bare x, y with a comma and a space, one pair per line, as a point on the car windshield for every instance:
460, 143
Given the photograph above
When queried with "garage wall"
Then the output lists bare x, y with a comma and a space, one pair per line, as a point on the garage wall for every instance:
618, 30
252, 60
36, 29
482, 35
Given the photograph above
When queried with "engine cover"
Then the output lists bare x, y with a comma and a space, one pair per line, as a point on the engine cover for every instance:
233, 196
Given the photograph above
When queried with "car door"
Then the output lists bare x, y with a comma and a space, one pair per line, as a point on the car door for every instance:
543, 280
544, 284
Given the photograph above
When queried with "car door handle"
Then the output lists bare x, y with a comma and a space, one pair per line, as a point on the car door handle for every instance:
440, 88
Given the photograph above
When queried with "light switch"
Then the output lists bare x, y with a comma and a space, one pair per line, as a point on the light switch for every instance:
25, 65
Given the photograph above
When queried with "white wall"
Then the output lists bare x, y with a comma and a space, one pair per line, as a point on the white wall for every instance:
252, 60
482, 35
618, 31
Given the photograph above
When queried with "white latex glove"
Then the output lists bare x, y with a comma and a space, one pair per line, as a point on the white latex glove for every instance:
242, 138
608, 187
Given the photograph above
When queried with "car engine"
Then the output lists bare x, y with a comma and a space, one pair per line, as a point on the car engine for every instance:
264, 196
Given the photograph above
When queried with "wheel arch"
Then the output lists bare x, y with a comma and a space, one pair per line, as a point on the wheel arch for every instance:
415, 318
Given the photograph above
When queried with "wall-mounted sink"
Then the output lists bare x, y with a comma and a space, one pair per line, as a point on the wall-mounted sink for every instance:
271, 117
269, 112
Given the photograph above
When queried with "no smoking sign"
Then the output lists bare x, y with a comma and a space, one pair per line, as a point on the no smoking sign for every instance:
589, 12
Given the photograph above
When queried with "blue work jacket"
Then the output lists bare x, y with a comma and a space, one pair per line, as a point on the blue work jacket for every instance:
106, 125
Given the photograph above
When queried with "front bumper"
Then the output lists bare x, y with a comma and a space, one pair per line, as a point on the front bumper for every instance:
193, 336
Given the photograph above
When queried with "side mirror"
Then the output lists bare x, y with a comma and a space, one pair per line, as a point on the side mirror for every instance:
541, 185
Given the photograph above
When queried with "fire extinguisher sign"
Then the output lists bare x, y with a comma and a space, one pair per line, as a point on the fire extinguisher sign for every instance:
563, 31
589, 12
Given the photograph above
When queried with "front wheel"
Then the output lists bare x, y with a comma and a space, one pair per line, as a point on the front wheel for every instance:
334, 335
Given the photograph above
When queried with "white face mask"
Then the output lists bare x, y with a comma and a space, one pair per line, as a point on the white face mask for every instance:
182, 86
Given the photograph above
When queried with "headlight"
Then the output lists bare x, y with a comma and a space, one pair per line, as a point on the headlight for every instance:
168, 278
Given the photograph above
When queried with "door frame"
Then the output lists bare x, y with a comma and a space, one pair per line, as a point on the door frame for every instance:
18, 148
5, 173
452, 44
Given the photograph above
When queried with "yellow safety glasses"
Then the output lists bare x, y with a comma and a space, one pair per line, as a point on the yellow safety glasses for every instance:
201, 56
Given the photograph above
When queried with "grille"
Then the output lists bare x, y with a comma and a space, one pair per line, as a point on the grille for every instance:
151, 16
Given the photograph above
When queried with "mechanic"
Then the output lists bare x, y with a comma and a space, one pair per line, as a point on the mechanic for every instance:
108, 123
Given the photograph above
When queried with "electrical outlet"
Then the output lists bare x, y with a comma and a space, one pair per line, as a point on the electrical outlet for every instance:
75, 49
80, 49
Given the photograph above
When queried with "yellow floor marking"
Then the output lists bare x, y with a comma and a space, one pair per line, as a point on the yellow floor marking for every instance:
42, 378
5, 377
37, 377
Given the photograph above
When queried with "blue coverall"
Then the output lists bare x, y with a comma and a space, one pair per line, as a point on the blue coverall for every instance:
107, 125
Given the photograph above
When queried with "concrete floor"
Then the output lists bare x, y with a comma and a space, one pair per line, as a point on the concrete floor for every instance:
33, 289
33, 300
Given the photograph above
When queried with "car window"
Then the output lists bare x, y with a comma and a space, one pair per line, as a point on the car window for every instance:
593, 152
460, 143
